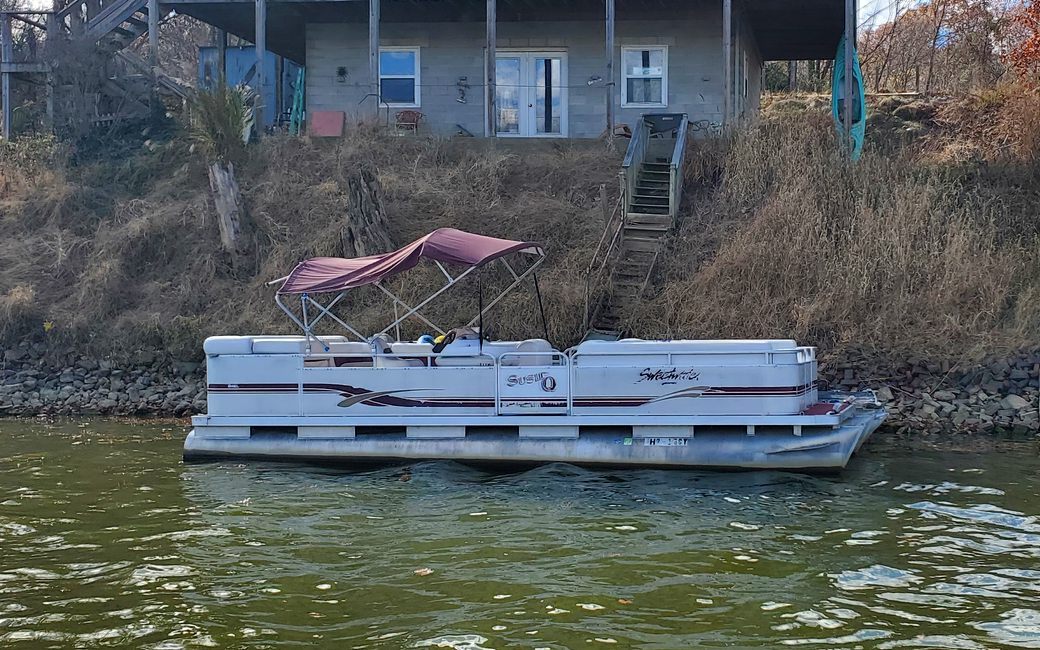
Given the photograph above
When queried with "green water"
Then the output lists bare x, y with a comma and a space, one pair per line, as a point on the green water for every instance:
108, 540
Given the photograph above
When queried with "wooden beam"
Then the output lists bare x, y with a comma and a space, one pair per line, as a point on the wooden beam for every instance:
373, 52
221, 44
490, 52
153, 34
727, 60
609, 78
850, 44
6, 56
260, 45
792, 76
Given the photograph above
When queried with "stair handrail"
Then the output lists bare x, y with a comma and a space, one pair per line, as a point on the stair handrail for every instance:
634, 157
601, 257
98, 25
172, 84
675, 167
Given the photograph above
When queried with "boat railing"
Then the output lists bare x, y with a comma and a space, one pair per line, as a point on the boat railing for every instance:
804, 354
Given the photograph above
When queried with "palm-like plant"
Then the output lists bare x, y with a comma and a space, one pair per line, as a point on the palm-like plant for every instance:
222, 122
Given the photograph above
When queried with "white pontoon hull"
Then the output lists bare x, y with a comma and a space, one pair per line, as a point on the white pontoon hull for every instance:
613, 446
725, 404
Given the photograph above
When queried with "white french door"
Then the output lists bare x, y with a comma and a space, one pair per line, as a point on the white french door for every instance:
531, 94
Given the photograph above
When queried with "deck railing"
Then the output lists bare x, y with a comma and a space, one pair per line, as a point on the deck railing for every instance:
601, 265
676, 166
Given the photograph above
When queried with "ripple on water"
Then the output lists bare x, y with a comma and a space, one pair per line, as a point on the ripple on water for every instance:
877, 575
1019, 627
691, 559
456, 642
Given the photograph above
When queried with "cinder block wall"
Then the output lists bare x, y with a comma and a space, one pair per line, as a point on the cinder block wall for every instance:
452, 50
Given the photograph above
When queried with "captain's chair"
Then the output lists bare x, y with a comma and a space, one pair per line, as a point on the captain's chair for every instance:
528, 356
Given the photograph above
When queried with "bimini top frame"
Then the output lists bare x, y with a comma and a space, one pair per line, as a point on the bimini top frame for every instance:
445, 246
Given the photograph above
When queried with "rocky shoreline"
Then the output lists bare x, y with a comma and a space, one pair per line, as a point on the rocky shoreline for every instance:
997, 395
922, 396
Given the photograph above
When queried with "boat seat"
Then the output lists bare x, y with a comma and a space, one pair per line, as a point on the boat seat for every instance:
397, 362
345, 354
218, 345
294, 345
530, 354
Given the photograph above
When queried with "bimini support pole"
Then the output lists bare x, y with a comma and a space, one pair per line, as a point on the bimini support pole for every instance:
520, 278
415, 310
412, 311
327, 311
541, 309
288, 312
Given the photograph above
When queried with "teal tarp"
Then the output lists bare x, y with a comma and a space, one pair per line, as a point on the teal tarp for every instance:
859, 99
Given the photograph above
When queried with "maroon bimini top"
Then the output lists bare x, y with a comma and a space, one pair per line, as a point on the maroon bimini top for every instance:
446, 245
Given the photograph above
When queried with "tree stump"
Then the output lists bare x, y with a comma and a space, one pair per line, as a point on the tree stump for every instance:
228, 202
367, 229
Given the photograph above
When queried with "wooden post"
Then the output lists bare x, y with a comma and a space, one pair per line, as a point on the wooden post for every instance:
850, 44
492, 77
727, 60
221, 58
153, 34
6, 56
260, 45
609, 79
279, 105
373, 52
792, 76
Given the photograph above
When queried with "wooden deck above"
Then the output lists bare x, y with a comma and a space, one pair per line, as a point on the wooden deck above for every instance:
811, 30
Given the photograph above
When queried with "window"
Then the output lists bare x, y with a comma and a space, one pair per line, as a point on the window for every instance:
399, 76
645, 76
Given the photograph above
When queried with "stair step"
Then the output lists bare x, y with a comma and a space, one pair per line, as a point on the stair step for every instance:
652, 190
664, 167
651, 209
640, 217
649, 199
646, 230
654, 172
642, 245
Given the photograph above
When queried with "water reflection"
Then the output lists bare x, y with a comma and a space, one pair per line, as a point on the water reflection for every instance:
107, 540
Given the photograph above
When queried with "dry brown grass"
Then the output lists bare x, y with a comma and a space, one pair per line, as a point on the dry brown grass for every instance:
890, 253
779, 238
125, 254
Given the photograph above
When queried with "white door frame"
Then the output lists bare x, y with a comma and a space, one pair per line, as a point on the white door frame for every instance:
527, 58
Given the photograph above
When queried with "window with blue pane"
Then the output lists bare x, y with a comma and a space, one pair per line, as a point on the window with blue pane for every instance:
399, 76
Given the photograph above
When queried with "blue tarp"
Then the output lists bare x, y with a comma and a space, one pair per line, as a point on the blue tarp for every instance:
240, 63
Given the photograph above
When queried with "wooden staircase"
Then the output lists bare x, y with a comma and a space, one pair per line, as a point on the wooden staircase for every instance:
116, 26
651, 182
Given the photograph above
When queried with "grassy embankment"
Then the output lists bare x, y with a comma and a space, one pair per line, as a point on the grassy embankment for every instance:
928, 246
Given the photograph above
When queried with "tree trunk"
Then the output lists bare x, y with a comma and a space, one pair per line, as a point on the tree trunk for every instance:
935, 46
228, 201
367, 230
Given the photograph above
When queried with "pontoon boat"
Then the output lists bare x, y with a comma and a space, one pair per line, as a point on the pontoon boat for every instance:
355, 398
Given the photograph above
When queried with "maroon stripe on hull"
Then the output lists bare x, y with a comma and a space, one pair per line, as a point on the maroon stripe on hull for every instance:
347, 391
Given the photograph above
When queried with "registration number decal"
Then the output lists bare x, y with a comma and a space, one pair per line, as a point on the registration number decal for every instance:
666, 442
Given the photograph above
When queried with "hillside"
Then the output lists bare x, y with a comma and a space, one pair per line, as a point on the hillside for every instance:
928, 246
